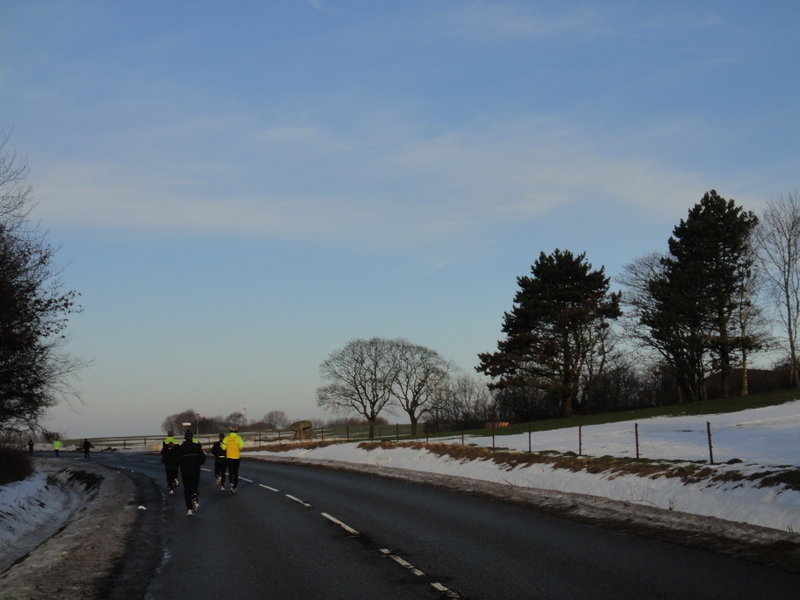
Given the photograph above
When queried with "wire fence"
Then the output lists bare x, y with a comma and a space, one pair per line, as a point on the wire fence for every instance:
696, 441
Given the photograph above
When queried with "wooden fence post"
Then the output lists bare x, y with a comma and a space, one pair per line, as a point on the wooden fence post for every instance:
529, 437
710, 447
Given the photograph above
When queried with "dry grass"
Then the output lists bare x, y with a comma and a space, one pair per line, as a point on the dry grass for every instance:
609, 466
687, 472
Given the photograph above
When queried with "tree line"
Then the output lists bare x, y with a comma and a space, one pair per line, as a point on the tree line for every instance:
274, 419
573, 346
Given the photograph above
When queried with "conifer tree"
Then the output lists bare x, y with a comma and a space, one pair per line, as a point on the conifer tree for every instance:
556, 330
698, 294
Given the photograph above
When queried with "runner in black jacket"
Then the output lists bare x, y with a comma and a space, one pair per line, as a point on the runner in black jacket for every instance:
171, 456
191, 457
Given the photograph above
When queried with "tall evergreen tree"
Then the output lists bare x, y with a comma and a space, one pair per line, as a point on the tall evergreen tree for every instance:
556, 330
699, 293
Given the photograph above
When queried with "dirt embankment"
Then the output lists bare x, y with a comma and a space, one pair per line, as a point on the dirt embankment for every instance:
77, 551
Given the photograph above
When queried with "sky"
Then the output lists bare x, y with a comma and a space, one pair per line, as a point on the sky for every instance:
239, 189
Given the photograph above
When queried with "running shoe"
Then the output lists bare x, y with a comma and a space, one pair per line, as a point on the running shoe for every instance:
189, 513
196, 505
233, 490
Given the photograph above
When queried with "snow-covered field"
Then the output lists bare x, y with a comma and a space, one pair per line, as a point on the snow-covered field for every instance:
764, 440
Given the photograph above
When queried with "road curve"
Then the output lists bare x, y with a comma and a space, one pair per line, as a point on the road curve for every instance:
321, 533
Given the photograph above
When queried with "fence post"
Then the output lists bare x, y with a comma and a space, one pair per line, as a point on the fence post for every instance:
322, 433
492, 435
636, 429
347, 433
462, 433
529, 437
397, 427
710, 447
580, 440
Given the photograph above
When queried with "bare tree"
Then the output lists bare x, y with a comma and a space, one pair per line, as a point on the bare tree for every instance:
360, 377
236, 419
462, 400
419, 372
778, 242
16, 195
35, 371
277, 418
175, 422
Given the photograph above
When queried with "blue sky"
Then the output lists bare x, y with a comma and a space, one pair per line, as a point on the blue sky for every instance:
238, 189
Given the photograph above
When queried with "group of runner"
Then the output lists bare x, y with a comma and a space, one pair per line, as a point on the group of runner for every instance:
189, 456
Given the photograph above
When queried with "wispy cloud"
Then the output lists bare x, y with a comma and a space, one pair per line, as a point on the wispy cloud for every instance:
521, 21
385, 184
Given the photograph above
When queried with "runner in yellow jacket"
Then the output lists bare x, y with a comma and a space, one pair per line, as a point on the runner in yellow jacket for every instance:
233, 444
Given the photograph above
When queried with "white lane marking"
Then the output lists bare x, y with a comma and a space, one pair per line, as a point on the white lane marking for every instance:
340, 524
435, 585
247, 480
445, 590
271, 489
402, 562
298, 500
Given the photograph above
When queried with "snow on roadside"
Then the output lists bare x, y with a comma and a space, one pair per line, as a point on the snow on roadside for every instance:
34, 509
765, 439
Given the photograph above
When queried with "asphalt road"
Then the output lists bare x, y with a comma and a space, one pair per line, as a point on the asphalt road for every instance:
295, 531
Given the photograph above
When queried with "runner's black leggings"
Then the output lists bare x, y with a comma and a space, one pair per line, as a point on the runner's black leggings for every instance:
233, 471
219, 469
172, 475
190, 483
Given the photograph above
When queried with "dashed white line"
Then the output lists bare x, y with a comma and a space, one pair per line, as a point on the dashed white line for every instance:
400, 561
298, 500
445, 590
404, 563
347, 528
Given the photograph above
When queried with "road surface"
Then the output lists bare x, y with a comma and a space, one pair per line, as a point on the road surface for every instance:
295, 531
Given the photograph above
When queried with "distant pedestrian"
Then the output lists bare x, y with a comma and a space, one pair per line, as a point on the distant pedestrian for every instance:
86, 446
191, 457
233, 445
57, 446
220, 462
171, 457
30, 446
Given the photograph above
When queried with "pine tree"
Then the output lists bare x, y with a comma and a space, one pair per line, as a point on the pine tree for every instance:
699, 293
556, 329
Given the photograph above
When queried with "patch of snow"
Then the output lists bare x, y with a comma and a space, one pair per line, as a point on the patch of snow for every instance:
764, 439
